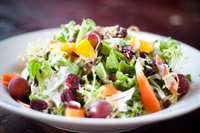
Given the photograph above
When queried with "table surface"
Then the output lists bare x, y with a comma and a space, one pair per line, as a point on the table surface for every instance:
179, 19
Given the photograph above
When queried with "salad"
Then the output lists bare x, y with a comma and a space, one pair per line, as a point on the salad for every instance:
99, 72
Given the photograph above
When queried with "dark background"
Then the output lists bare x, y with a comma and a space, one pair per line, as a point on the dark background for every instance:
179, 19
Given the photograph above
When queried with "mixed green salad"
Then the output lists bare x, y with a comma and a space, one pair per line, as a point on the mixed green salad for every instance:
100, 72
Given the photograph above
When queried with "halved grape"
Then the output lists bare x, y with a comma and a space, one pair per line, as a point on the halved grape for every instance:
18, 87
100, 109
184, 84
93, 37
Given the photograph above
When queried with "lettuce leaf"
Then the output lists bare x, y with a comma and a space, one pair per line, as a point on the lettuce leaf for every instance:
102, 72
66, 32
39, 69
125, 83
126, 69
87, 25
112, 61
60, 109
105, 50
58, 58
172, 54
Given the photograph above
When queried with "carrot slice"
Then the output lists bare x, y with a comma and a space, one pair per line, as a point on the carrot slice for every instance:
149, 99
6, 77
24, 104
109, 90
72, 112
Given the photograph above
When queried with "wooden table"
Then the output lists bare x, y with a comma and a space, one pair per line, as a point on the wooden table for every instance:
179, 19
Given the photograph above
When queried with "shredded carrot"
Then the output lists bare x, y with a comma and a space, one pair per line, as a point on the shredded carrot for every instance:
6, 77
72, 112
22, 103
109, 90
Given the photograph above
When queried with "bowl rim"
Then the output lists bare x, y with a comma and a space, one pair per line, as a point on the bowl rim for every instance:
94, 121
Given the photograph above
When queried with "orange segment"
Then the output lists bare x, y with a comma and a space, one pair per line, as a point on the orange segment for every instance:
68, 48
144, 45
52, 46
85, 49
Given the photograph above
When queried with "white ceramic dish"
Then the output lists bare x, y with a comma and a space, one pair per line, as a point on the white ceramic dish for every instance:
10, 48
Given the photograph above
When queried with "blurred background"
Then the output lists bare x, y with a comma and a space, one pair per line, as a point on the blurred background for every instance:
179, 19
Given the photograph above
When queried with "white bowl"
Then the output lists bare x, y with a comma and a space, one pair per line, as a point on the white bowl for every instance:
10, 48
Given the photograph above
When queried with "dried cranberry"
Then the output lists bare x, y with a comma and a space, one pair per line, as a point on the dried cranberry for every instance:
150, 72
38, 104
129, 55
68, 95
166, 103
143, 54
137, 114
72, 81
121, 32
126, 49
113, 77
127, 52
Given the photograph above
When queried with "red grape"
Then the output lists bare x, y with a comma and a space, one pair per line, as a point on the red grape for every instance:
93, 37
18, 87
100, 109
184, 84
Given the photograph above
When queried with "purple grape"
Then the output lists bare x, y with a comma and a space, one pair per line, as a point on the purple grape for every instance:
184, 84
100, 109
93, 37
18, 87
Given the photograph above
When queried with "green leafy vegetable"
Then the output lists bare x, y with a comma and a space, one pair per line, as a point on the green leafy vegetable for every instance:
60, 109
87, 25
112, 61
66, 32
102, 72
189, 77
39, 69
126, 69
